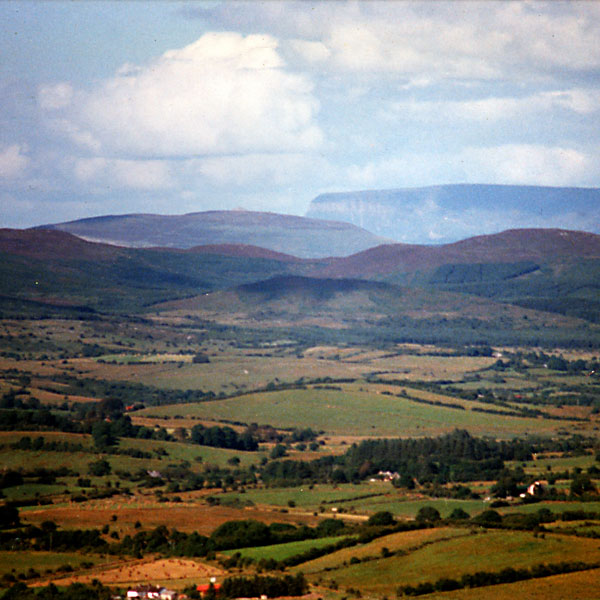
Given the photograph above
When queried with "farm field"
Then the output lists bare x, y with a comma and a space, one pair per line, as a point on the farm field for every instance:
574, 586
454, 557
354, 413
142, 448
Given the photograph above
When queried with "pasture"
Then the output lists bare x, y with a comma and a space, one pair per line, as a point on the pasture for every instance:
353, 413
455, 556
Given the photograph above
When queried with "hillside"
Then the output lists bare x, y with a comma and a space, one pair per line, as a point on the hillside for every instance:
447, 213
548, 269
298, 236
424, 293
55, 268
511, 246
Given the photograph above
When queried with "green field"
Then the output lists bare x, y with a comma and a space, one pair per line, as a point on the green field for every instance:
404, 542
310, 496
353, 414
284, 551
486, 551
43, 562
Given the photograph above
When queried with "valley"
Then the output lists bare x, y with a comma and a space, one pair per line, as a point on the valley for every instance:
354, 427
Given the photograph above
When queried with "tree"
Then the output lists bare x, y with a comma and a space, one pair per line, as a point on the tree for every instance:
581, 484
428, 514
103, 435
99, 468
9, 516
382, 518
278, 451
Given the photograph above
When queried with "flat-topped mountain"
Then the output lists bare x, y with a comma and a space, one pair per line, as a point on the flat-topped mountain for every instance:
298, 236
447, 213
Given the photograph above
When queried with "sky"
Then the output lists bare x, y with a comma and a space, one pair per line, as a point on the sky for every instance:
176, 107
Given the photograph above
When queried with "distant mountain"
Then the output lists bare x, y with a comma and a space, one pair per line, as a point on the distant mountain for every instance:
299, 236
447, 213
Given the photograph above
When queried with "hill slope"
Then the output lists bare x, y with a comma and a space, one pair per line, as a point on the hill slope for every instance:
299, 236
55, 268
446, 213
541, 245
550, 269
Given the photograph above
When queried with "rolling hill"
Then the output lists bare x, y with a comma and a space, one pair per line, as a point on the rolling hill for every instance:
548, 269
465, 290
299, 236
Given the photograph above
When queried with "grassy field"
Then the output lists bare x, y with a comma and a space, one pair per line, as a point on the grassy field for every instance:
403, 542
44, 562
415, 396
283, 551
310, 497
571, 586
490, 551
354, 413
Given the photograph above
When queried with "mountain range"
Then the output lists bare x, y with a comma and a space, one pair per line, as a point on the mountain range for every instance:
251, 269
554, 271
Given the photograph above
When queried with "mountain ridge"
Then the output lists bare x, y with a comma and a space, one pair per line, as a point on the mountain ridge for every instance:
302, 237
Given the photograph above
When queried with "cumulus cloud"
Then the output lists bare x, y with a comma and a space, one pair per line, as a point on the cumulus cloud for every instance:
13, 161
223, 94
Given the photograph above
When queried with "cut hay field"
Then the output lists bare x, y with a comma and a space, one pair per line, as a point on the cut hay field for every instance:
354, 413
162, 572
452, 558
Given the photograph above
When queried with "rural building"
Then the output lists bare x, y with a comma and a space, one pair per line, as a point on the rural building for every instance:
151, 592
203, 588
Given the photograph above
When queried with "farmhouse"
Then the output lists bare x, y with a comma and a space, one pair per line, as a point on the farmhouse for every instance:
151, 592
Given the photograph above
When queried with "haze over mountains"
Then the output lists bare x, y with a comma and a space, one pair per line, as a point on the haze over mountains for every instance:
448, 213
343, 224
272, 268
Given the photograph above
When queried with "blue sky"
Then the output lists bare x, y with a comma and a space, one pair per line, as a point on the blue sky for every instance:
169, 107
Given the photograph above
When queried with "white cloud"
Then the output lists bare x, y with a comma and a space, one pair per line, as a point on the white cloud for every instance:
13, 161
444, 40
526, 164
117, 173
580, 101
223, 94
55, 96
313, 52
251, 169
